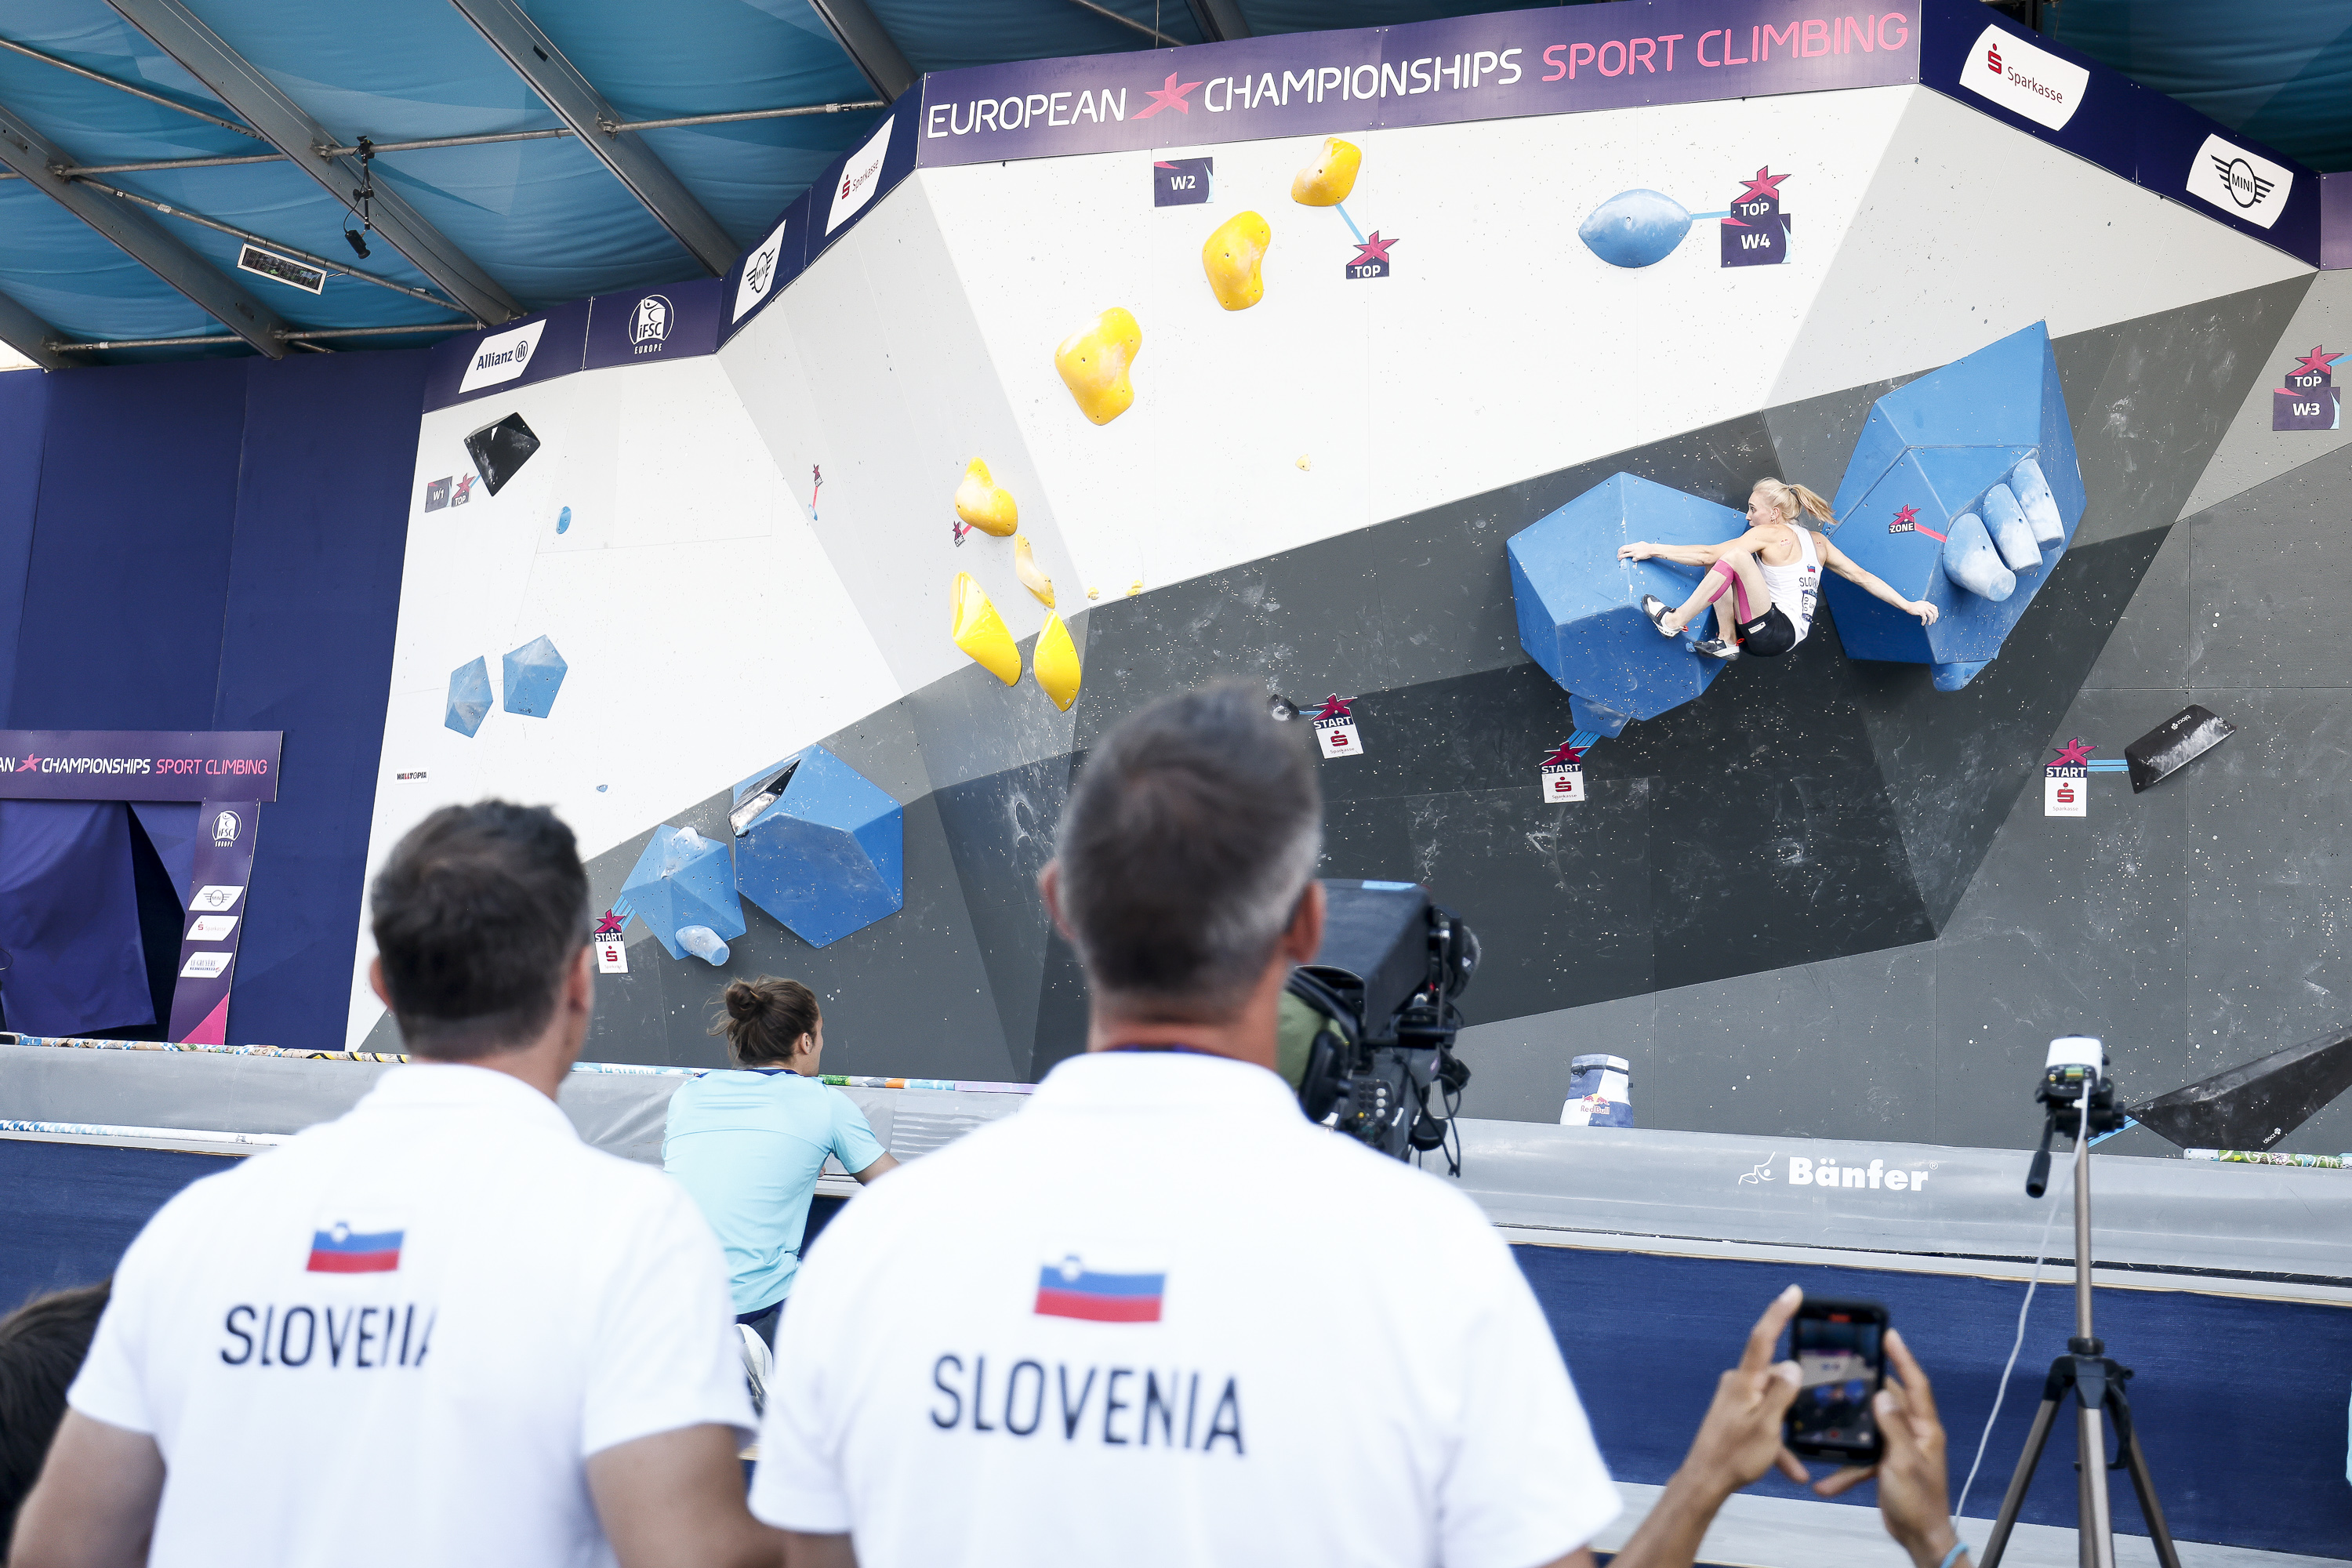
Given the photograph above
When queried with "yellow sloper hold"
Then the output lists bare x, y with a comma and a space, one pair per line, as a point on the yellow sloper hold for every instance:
980, 630
1057, 662
1094, 362
1024, 566
1233, 259
988, 506
1326, 180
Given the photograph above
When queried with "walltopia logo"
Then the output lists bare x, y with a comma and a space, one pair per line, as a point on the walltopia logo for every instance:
2239, 182
2024, 79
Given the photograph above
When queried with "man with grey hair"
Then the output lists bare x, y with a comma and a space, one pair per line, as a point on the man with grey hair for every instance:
1161, 1318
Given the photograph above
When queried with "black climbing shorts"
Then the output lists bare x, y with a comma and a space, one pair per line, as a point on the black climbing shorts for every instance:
1769, 636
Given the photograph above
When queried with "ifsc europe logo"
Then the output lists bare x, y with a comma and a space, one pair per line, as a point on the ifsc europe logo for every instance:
226, 827
649, 324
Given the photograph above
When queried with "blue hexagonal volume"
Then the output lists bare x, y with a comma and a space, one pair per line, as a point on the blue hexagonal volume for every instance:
683, 879
534, 673
1963, 490
827, 855
469, 697
1579, 608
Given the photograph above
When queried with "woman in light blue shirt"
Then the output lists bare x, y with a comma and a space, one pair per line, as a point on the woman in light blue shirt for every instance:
748, 1144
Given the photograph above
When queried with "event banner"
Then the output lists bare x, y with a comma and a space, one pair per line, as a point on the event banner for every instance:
1558, 60
140, 764
216, 895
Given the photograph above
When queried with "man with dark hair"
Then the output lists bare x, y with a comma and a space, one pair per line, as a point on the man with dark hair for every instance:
41, 1346
1158, 1318
440, 1328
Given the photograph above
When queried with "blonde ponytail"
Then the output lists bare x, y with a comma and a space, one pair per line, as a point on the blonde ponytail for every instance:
1787, 498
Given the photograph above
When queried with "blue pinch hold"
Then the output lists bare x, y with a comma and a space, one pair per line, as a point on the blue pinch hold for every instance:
564, 521
534, 674
469, 697
1971, 561
2041, 508
2011, 534
1635, 228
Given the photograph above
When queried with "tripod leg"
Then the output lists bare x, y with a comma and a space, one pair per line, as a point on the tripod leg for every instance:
2094, 1528
2143, 1483
2043, 1419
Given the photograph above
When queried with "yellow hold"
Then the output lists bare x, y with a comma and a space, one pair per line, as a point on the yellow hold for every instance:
980, 630
1057, 662
1024, 566
988, 506
1326, 182
1094, 362
1232, 257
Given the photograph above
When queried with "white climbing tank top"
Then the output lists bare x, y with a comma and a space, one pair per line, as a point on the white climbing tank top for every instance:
1796, 588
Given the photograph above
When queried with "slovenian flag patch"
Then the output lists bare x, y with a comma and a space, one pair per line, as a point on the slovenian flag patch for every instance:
340, 1249
1070, 1289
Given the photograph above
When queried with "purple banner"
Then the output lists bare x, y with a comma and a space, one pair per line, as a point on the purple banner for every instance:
480, 364
140, 764
216, 895
2335, 221
675, 321
1562, 60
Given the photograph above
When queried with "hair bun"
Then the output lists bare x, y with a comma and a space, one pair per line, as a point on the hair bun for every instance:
744, 1002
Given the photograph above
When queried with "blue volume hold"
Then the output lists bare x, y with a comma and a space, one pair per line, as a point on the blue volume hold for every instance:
534, 675
469, 697
682, 884
1635, 228
828, 856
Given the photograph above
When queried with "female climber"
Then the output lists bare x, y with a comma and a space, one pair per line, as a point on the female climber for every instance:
748, 1144
1776, 564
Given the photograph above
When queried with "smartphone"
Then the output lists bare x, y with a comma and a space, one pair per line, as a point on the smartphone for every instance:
1839, 1348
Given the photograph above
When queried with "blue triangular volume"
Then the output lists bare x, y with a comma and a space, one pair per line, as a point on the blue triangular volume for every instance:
1960, 475
1876, 451
1993, 397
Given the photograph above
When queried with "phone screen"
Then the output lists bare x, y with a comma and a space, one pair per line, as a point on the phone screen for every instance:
1838, 1358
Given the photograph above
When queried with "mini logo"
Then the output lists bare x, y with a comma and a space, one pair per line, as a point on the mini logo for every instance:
226, 827
2026, 80
2239, 182
649, 327
759, 273
1069, 1289
213, 896
340, 1249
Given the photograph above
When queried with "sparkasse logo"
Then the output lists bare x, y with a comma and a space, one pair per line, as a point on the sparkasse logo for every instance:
2025, 79
860, 177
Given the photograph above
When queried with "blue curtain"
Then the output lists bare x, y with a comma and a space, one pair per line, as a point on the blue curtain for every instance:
69, 919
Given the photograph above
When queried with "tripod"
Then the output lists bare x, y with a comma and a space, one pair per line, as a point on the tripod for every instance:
2094, 1379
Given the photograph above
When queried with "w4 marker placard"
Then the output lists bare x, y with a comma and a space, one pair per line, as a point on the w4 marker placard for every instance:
1335, 729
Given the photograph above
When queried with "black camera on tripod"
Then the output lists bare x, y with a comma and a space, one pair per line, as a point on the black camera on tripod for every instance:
2074, 1061
1367, 1030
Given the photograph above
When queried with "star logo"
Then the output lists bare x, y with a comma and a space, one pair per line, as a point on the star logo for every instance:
608, 924
2074, 754
30, 765
1371, 250
2316, 363
1333, 708
1566, 756
1906, 520
1764, 187
1167, 95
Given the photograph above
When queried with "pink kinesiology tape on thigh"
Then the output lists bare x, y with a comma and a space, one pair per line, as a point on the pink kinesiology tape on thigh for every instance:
1738, 594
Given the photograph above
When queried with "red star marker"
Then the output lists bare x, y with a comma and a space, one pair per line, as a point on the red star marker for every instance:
1333, 708
2317, 360
1908, 514
1765, 186
608, 924
1567, 756
1167, 95
2075, 753
1371, 250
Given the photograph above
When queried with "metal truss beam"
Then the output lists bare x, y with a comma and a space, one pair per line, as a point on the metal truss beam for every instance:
287, 127
868, 44
1219, 19
576, 101
32, 337
23, 148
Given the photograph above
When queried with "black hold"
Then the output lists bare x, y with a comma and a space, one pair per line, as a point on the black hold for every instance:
501, 449
1280, 707
2255, 1104
2174, 745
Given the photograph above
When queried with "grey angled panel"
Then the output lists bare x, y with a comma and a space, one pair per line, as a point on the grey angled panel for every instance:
31, 336
572, 96
289, 127
23, 150
868, 44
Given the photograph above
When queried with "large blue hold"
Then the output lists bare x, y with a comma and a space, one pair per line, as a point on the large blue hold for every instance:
534, 674
828, 857
1980, 452
1579, 608
469, 697
683, 879
1635, 228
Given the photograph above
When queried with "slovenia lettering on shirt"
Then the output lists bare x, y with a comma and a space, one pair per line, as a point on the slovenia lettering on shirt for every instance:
1019, 1403
301, 1336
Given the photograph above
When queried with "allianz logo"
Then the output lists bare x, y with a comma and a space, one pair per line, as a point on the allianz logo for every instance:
1874, 1176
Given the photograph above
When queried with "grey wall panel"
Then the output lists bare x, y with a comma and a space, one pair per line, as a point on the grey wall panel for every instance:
2253, 452
2269, 575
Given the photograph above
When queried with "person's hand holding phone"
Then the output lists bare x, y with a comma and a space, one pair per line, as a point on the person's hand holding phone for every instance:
1914, 1489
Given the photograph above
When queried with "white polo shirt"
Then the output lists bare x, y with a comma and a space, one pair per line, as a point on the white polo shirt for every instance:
394, 1339
1158, 1318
